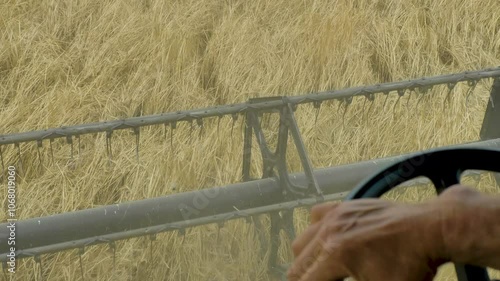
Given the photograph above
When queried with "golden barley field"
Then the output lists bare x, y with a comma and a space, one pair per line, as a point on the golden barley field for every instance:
71, 62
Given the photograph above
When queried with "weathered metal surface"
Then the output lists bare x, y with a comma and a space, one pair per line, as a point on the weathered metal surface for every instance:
179, 211
219, 111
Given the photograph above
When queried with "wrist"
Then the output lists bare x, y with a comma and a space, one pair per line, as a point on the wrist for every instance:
430, 223
468, 232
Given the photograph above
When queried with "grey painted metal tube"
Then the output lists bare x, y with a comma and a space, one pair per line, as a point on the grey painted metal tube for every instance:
190, 115
177, 211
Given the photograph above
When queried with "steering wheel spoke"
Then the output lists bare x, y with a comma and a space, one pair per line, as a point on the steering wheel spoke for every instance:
447, 179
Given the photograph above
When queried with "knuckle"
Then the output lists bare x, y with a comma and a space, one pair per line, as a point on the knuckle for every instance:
339, 250
459, 192
333, 227
316, 208
323, 207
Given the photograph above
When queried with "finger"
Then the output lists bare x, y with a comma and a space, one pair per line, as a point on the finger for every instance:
325, 268
305, 238
319, 211
310, 251
317, 256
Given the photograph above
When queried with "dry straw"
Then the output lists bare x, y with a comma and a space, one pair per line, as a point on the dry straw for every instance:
72, 62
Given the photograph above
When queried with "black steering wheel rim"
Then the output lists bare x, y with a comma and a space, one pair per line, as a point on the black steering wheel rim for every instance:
444, 168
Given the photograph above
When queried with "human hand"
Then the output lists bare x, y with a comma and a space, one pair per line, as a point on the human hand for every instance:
369, 239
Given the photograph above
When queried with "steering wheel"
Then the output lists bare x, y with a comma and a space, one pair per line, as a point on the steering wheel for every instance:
444, 168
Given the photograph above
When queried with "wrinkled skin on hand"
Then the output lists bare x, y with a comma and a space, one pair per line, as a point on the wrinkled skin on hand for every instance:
369, 240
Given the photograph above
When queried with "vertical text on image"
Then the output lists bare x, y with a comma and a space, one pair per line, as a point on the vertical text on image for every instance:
11, 218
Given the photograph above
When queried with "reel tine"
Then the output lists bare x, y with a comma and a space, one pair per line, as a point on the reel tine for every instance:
422, 92
394, 107
3, 163
363, 107
317, 106
412, 90
371, 98
199, 122
109, 147
347, 102
112, 247
242, 123
173, 126
401, 92
368, 97
69, 140
137, 133
81, 251
38, 146
79, 146
20, 160
451, 87
38, 260
472, 86
386, 98
171, 136
51, 150
218, 124
235, 118
191, 130
152, 238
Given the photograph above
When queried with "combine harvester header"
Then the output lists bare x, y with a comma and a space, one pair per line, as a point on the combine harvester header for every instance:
277, 193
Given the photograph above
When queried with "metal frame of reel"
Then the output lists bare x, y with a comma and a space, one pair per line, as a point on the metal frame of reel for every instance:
275, 165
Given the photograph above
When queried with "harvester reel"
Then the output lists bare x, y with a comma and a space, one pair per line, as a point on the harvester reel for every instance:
444, 168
